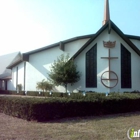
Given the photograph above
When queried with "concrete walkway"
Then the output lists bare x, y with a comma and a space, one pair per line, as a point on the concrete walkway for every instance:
23, 96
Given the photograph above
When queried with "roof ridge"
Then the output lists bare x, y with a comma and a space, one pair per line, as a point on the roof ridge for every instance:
110, 25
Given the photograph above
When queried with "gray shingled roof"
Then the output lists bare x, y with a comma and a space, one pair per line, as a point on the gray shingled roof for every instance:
18, 58
6, 60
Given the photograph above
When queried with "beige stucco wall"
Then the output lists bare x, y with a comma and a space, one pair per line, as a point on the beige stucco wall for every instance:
136, 43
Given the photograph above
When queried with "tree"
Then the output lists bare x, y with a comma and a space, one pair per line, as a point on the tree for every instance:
44, 85
19, 88
63, 71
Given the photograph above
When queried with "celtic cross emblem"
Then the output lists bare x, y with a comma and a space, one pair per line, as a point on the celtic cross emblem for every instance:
112, 76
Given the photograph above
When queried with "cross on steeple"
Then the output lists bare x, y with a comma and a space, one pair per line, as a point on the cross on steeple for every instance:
106, 12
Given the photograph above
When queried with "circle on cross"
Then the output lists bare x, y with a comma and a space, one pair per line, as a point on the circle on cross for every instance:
109, 77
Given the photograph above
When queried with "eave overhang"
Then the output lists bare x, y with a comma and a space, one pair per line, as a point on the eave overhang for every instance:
109, 25
60, 44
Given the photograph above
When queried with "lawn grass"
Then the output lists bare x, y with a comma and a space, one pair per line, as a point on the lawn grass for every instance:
109, 127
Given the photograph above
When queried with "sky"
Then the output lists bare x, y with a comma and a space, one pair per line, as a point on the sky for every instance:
26, 25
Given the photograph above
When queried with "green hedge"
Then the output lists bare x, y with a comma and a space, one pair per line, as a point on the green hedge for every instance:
11, 92
34, 93
41, 109
59, 94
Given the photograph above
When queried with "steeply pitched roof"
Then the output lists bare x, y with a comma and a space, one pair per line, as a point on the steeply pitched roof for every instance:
5, 60
18, 58
110, 25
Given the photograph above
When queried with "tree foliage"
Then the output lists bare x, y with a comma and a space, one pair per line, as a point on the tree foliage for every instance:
44, 85
19, 87
63, 71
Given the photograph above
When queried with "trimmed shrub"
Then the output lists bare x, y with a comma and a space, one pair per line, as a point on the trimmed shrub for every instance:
43, 109
11, 92
32, 93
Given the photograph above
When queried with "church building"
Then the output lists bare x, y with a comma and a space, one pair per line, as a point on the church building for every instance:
107, 60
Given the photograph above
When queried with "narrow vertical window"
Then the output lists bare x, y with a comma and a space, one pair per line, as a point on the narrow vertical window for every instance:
125, 68
16, 77
91, 67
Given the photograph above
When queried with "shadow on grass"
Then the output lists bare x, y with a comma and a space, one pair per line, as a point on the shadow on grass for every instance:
89, 118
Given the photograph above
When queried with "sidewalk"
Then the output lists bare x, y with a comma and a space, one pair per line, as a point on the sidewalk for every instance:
23, 96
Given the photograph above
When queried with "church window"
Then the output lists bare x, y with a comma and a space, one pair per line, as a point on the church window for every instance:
91, 67
125, 68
